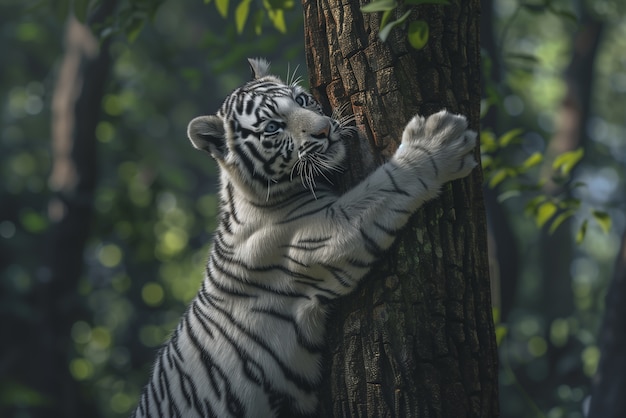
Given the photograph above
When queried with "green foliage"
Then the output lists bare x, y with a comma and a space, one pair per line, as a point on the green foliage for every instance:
12, 392
501, 329
549, 353
546, 210
132, 15
274, 10
417, 31
418, 34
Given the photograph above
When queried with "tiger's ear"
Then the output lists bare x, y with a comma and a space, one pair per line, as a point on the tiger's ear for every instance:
259, 67
207, 134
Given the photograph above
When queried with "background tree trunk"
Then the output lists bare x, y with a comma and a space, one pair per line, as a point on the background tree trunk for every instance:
571, 127
417, 340
609, 383
503, 246
76, 105
557, 249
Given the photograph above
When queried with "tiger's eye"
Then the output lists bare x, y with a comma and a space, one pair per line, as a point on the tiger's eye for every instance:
301, 99
271, 127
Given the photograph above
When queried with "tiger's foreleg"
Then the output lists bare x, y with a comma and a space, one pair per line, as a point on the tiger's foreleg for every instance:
434, 151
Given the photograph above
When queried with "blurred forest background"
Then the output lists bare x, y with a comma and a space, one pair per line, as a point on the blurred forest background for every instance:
86, 302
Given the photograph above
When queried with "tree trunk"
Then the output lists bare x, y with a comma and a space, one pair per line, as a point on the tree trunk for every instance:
609, 383
557, 249
75, 110
571, 125
503, 246
417, 339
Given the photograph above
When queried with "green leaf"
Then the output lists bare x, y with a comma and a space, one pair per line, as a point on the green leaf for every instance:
509, 194
523, 57
567, 161
418, 2
498, 177
545, 211
32, 221
582, 231
559, 220
488, 141
533, 160
501, 331
17, 394
133, 28
534, 8
279, 4
571, 16
531, 206
570, 203
495, 313
278, 20
384, 32
222, 7
379, 6
509, 136
486, 161
241, 15
386, 15
418, 34
603, 219
258, 19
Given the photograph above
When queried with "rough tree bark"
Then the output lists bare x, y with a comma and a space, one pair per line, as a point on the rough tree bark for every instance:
609, 383
417, 339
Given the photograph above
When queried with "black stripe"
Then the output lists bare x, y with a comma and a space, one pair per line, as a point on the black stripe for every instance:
231, 203
299, 381
388, 231
371, 246
303, 247
305, 214
345, 214
396, 188
338, 274
219, 286
359, 263
333, 294
222, 270
430, 157
276, 206
308, 345
249, 166
314, 240
265, 269
249, 107
234, 404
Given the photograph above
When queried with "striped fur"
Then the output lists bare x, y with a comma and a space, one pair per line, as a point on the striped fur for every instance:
250, 343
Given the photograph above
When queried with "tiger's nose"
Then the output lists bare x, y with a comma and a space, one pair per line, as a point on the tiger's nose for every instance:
320, 132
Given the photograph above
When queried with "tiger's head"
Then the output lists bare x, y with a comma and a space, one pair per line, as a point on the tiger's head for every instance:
269, 133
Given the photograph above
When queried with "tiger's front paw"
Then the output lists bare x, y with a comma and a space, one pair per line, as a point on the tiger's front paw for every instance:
442, 138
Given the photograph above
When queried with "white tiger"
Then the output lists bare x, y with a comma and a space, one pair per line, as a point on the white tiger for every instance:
250, 343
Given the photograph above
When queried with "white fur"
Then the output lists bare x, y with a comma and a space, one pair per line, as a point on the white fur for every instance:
278, 254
